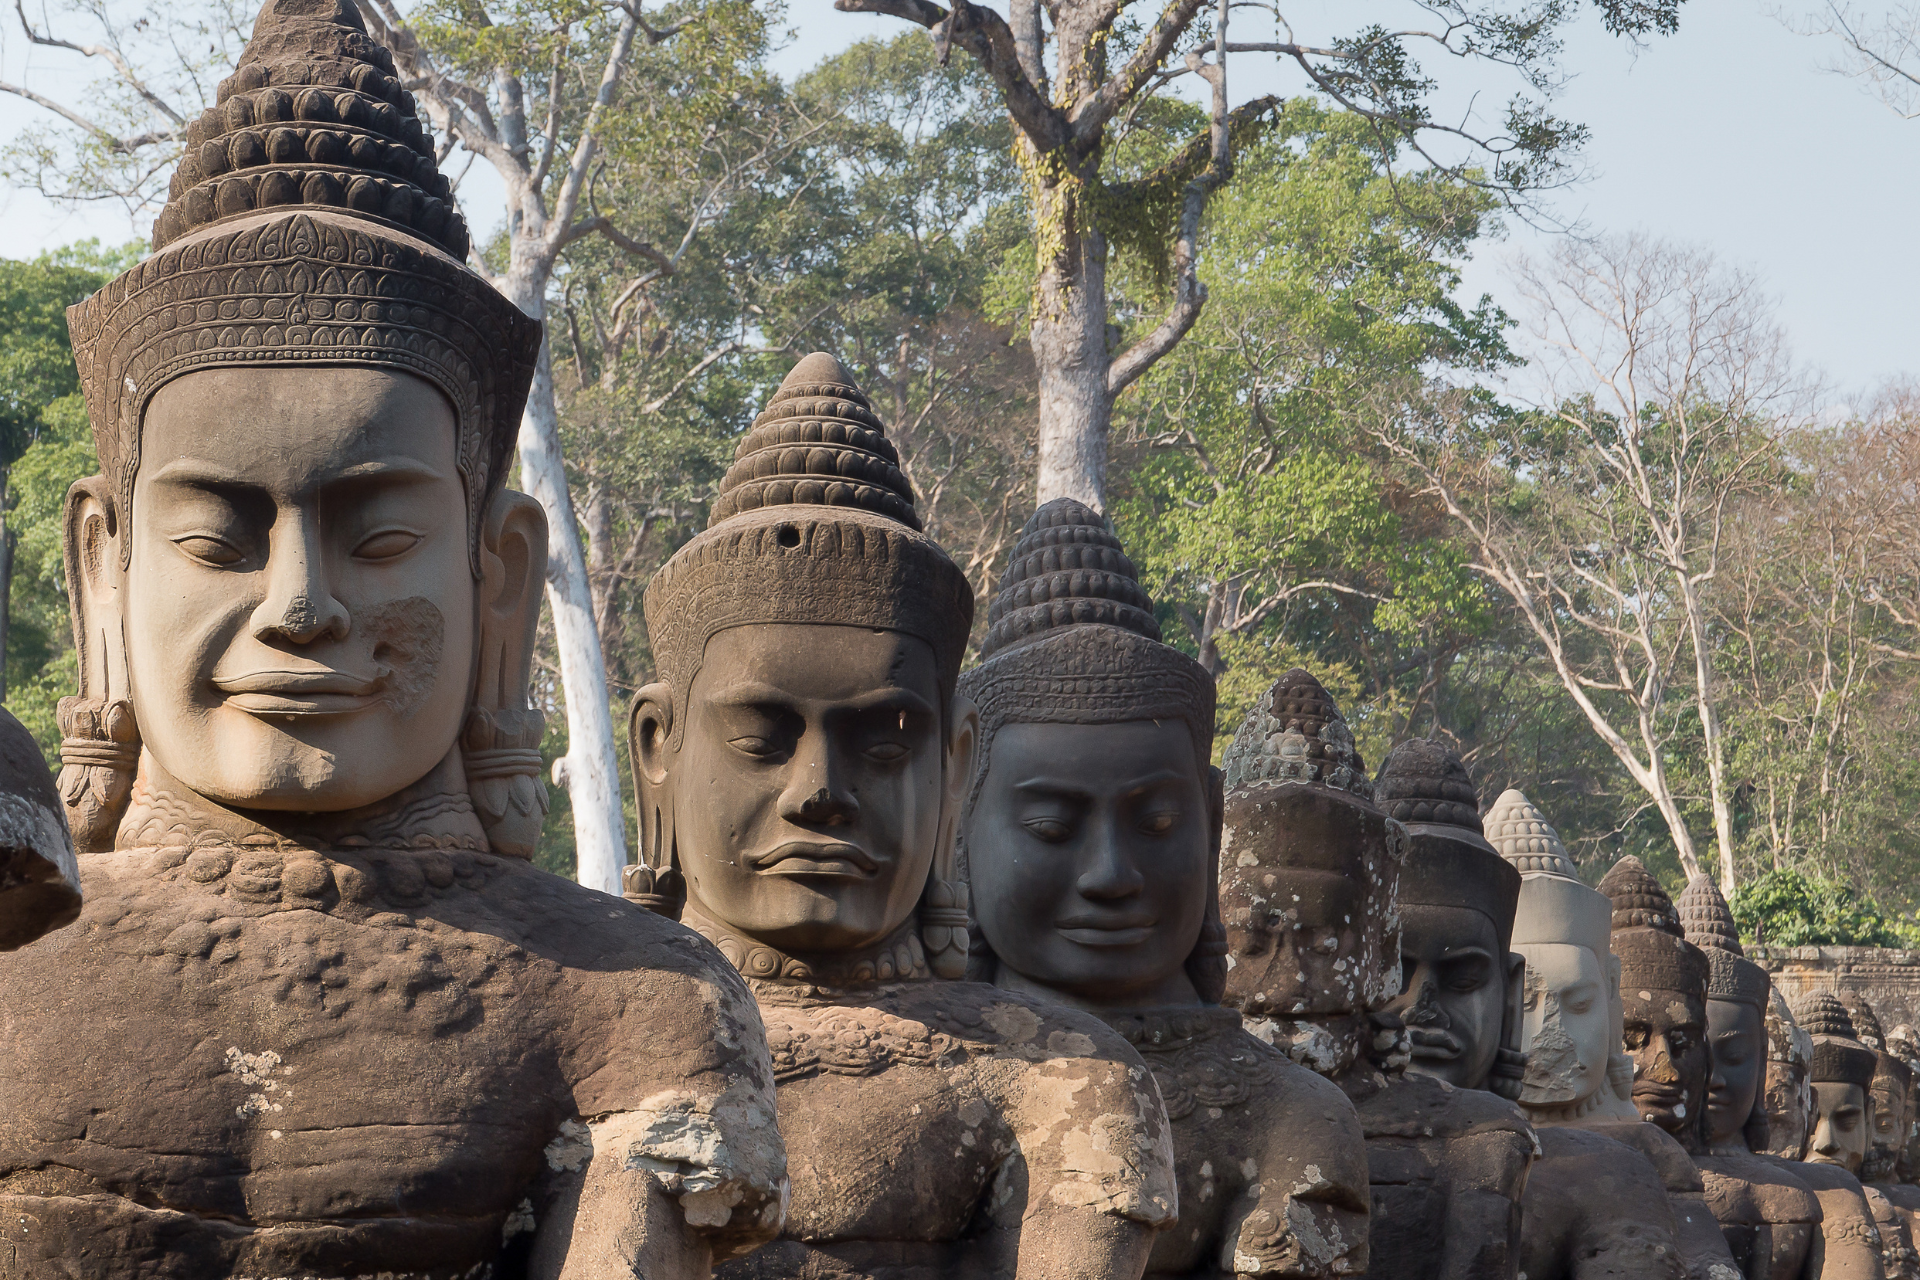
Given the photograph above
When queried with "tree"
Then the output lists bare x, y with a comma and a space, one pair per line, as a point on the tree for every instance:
1880, 48
1786, 908
1602, 514
553, 95
1262, 513
1108, 67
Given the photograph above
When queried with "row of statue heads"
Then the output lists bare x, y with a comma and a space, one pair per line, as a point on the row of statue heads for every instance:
930, 967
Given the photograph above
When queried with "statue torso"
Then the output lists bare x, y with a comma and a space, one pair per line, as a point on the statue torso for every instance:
270, 1061
922, 1118
1849, 1240
1271, 1164
1447, 1168
1768, 1216
1595, 1207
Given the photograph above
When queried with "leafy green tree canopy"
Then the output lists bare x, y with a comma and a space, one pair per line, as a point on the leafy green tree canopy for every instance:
1790, 908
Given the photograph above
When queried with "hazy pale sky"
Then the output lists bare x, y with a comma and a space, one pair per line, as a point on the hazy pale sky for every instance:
1729, 136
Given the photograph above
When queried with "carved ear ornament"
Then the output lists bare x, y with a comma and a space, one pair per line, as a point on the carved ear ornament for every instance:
99, 752
943, 926
1509, 1067
660, 890
506, 776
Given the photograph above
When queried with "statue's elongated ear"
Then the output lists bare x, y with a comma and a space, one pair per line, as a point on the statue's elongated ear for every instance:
100, 743
500, 745
656, 882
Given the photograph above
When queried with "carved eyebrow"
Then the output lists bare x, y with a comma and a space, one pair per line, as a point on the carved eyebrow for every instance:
1058, 786
754, 693
198, 473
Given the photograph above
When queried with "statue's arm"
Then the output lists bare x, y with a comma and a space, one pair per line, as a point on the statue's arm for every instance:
1090, 1181
615, 1221
1305, 1214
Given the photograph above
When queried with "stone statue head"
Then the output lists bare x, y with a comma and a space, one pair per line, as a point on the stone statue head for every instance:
1738, 991
1571, 1004
1789, 1093
1092, 834
1841, 1071
803, 759
1904, 1043
1663, 996
39, 876
1309, 879
298, 584
1461, 985
1892, 1091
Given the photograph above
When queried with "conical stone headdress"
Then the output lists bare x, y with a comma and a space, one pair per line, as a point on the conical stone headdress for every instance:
1071, 638
308, 225
1295, 733
814, 524
1866, 1024
1653, 949
1838, 1055
1555, 906
1427, 787
1710, 927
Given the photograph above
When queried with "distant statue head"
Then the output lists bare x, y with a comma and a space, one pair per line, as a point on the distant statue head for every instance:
1091, 841
1575, 1066
1892, 1091
1789, 1092
1738, 993
1309, 879
1663, 994
1460, 980
1903, 1042
1841, 1071
803, 759
298, 582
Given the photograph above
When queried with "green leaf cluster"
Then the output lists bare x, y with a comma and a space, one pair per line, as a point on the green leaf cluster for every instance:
1793, 908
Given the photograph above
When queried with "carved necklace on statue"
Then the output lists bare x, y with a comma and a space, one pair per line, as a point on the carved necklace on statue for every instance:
899, 957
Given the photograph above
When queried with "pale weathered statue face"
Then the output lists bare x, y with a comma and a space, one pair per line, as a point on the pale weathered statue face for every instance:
1842, 1124
808, 790
1568, 1025
1089, 850
1453, 992
1737, 1043
299, 609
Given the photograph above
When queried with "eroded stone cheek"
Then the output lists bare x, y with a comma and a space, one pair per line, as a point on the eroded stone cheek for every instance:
408, 637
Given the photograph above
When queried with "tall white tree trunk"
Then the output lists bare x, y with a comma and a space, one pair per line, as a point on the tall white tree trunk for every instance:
590, 770
1070, 354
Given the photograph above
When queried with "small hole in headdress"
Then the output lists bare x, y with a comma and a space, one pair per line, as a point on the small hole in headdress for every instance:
786, 535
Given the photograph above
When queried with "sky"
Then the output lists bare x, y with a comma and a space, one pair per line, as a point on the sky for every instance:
1729, 136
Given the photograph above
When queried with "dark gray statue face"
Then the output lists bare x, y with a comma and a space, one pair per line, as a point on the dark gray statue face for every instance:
1088, 851
1454, 992
1737, 1040
809, 788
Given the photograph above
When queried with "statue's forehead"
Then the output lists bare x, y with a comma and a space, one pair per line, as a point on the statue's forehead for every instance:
270, 424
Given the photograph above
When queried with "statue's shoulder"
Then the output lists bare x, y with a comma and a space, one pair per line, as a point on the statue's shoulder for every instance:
1751, 1188
1416, 1106
1678, 1172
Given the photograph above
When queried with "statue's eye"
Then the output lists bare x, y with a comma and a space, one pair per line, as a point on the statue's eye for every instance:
1052, 830
752, 746
387, 544
209, 550
1159, 824
886, 752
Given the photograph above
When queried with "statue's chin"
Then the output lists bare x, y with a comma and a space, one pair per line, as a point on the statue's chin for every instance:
300, 779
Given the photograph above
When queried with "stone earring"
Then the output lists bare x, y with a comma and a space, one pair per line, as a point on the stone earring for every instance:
506, 776
99, 752
943, 927
655, 881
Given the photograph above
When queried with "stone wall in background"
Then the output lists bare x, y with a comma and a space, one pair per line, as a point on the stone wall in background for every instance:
1888, 979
